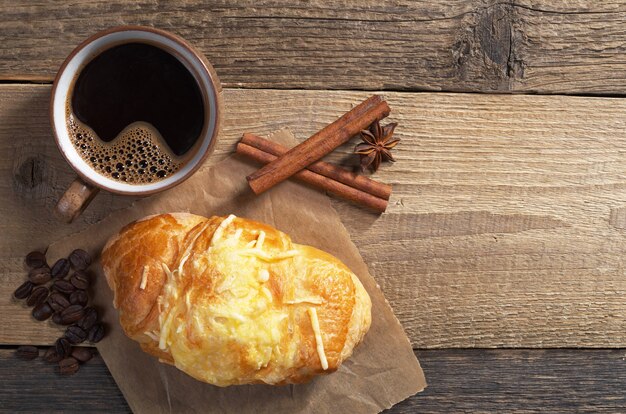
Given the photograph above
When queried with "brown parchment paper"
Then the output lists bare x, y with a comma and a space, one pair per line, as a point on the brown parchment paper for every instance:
383, 370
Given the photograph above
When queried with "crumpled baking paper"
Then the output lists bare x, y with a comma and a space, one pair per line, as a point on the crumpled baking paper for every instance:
383, 370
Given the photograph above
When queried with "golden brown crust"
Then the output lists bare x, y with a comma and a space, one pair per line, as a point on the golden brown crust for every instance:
233, 301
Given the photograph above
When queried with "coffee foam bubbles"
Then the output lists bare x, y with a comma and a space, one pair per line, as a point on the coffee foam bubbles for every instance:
138, 155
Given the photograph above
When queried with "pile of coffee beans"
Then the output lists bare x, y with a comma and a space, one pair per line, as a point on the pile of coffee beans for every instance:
54, 293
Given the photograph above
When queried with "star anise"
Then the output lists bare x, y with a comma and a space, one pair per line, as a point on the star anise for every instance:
376, 146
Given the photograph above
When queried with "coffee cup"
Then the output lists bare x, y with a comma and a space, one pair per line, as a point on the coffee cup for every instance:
109, 143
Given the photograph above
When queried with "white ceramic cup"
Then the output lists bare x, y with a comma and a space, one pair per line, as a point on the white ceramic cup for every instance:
89, 181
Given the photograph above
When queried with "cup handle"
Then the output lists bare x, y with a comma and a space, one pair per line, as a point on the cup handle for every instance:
75, 199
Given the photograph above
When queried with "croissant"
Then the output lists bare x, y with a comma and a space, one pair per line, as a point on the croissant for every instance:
233, 301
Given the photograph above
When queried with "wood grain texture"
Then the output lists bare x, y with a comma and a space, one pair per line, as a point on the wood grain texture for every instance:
520, 381
505, 227
34, 386
460, 45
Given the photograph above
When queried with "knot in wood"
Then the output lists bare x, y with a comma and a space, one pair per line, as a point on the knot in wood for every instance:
30, 173
487, 48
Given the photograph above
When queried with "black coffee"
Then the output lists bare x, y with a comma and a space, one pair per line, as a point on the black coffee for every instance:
135, 113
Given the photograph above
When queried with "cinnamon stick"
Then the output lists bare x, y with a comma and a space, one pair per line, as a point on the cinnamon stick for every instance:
326, 169
328, 184
319, 144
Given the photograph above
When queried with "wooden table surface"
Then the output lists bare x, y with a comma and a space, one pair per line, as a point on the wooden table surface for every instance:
502, 251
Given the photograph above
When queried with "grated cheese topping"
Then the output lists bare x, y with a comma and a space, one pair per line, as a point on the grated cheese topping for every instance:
260, 240
219, 232
152, 335
267, 293
168, 272
165, 330
315, 300
144, 277
166, 318
187, 252
238, 233
246, 313
318, 337
229, 315
264, 275
167, 315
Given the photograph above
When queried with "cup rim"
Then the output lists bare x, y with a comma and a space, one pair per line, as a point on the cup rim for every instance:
215, 90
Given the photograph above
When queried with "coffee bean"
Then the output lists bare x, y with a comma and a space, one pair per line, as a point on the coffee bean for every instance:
23, 291
72, 314
35, 259
63, 286
80, 259
58, 301
27, 352
42, 311
56, 318
79, 297
60, 269
75, 334
40, 275
68, 366
82, 354
89, 318
96, 333
80, 280
38, 295
63, 347
51, 355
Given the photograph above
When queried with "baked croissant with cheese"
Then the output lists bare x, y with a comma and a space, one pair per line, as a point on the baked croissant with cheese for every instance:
233, 301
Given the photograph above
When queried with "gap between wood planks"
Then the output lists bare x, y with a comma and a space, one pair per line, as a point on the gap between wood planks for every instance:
226, 85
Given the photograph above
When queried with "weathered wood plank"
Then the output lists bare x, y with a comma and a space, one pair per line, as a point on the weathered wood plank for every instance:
505, 228
35, 386
461, 45
524, 381
520, 381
